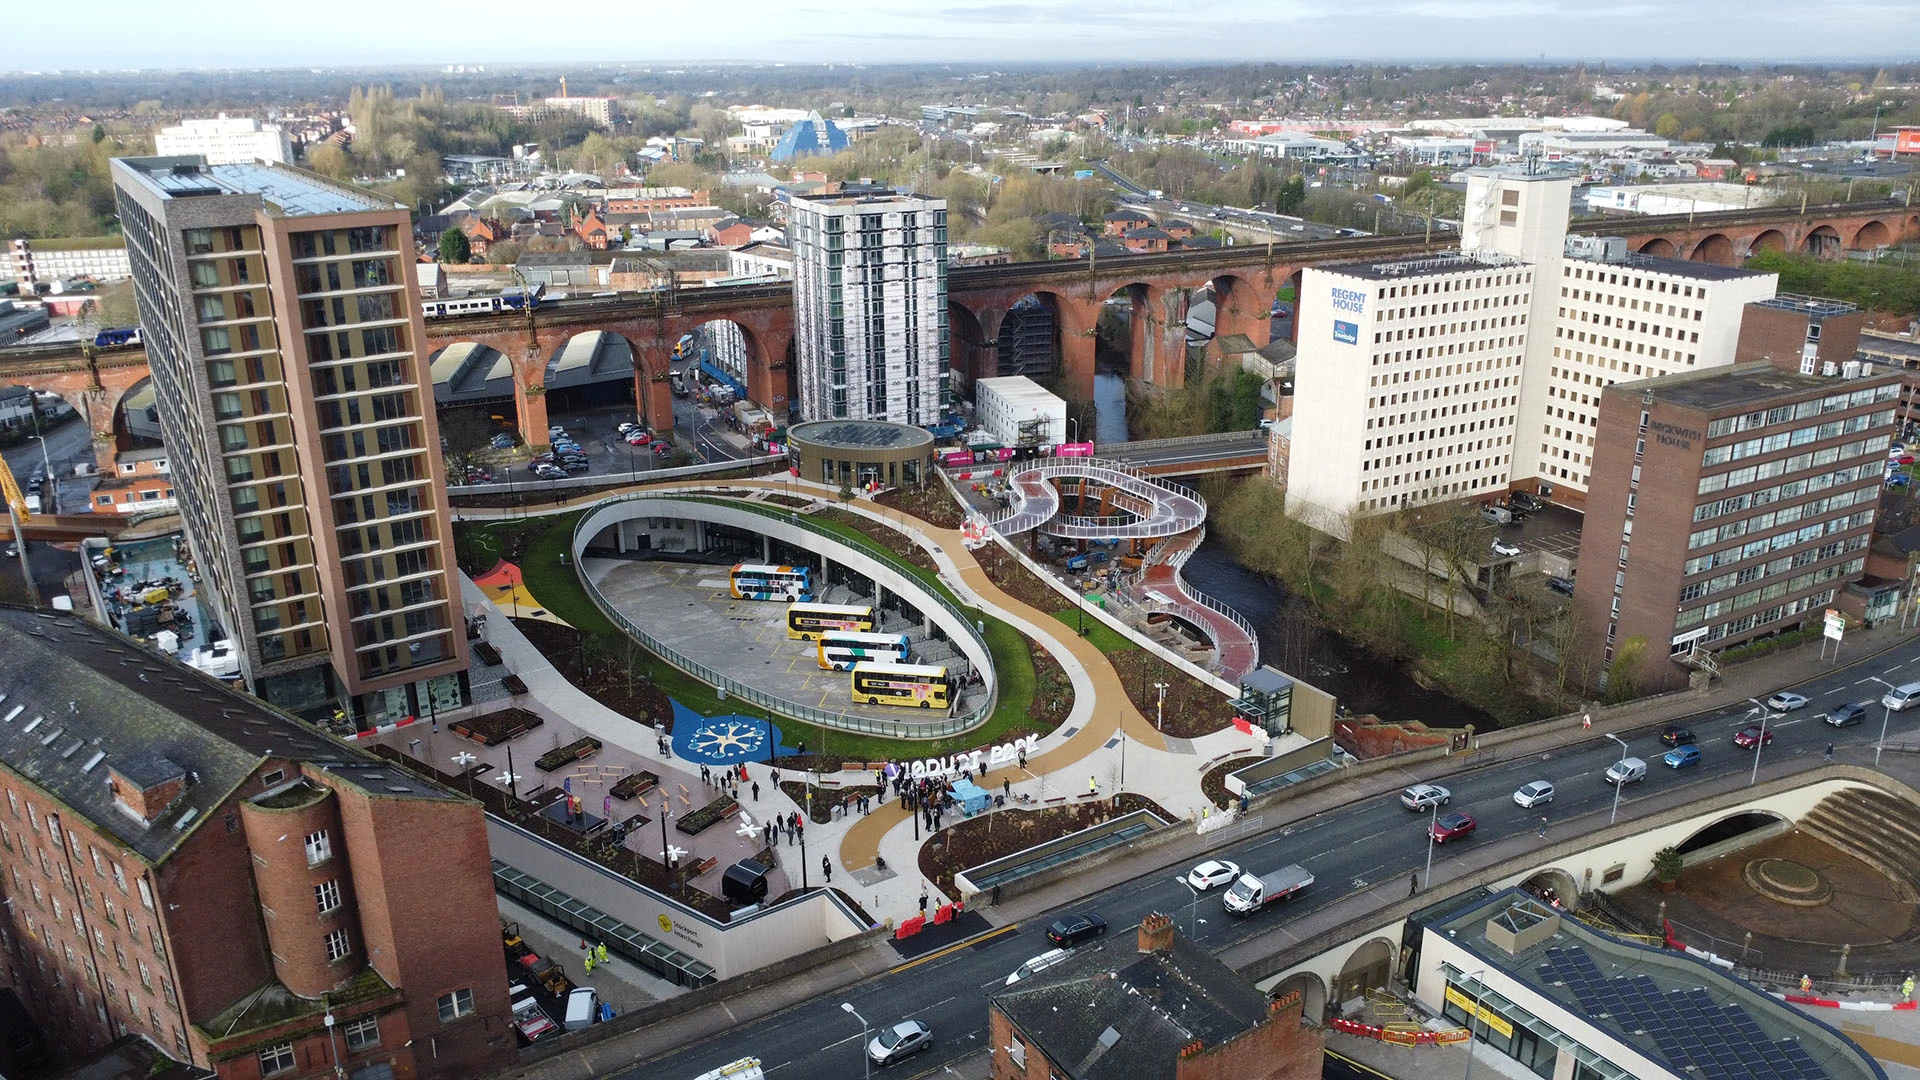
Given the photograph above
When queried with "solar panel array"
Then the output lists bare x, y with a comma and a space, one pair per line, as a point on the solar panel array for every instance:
1692, 1031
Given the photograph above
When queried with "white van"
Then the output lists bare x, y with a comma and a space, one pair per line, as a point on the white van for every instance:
583, 1006
1038, 964
1626, 771
1901, 697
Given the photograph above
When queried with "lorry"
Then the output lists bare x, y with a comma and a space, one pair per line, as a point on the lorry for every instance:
1251, 892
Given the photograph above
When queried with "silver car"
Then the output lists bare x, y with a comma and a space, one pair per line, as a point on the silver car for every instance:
1534, 794
903, 1039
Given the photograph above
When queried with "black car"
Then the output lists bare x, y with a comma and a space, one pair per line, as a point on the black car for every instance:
1675, 736
1071, 930
1563, 586
575, 466
1520, 500
1849, 714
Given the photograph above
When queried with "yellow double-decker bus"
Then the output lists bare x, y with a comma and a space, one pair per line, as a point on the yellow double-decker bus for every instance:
841, 649
806, 622
902, 684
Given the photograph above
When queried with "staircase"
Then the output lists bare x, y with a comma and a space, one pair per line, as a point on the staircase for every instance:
1879, 829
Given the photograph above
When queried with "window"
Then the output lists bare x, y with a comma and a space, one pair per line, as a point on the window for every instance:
319, 848
455, 1005
337, 946
363, 1034
276, 1059
326, 896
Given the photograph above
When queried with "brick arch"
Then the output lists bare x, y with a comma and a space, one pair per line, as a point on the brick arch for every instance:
1312, 990
1366, 968
1871, 235
1822, 241
97, 391
1156, 337
1769, 240
967, 350
1658, 246
1713, 248
1242, 305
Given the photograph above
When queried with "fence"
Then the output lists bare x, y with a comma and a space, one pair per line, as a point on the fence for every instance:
636, 476
1216, 439
839, 721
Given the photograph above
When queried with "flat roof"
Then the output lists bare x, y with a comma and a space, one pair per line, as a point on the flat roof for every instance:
1425, 266
1655, 264
1019, 390
1741, 386
860, 435
285, 192
1668, 1006
1817, 306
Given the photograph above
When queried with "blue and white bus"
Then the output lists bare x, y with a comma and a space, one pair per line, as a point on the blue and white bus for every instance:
760, 581
841, 649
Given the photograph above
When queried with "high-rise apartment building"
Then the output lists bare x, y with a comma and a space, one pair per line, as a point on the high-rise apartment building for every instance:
281, 324
1728, 504
225, 140
870, 306
1450, 377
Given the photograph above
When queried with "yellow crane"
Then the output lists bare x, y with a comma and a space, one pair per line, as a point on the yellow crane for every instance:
16, 501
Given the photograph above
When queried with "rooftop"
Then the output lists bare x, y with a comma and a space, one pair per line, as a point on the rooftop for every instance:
860, 435
1425, 266
1667, 1006
1111, 1012
1817, 306
1654, 264
118, 706
285, 192
1740, 386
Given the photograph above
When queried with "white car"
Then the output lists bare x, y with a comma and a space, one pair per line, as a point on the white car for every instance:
1425, 797
1534, 794
1504, 549
1786, 702
1038, 964
1212, 874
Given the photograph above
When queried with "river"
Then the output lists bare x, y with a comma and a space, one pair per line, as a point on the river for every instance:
1292, 641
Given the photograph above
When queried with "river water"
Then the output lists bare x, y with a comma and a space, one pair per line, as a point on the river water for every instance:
1291, 640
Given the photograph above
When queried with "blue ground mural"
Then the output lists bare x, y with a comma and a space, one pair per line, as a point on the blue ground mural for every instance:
723, 740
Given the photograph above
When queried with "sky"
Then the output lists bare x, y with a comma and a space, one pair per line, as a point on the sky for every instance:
280, 33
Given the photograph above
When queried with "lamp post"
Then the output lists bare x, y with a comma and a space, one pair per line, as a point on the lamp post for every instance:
1619, 782
865, 1058
1758, 743
1160, 706
666, 811
1885, 719
46, 465
1433, 826
1192, 908
1473, 1022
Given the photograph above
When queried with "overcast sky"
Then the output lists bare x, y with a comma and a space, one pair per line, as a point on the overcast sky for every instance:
246, 33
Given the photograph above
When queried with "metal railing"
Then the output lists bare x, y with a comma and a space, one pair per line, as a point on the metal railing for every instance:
839, 721
533, 484
1217, 438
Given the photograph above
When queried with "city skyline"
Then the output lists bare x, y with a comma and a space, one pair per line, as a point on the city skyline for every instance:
1065, 32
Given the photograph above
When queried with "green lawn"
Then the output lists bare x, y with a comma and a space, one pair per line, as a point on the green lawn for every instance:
558, 587
1099, 634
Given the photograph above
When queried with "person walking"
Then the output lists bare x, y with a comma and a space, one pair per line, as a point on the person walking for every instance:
1006, 786
826, 869
1413, 883
756, 791
1543, 828
1829, 751
1093, 785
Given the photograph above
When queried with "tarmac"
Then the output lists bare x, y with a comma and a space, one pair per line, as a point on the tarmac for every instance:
1086, 746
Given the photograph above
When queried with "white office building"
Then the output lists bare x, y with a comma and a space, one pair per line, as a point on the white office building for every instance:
870, 306
101, 258
225, 140
1463, 376
1019, 411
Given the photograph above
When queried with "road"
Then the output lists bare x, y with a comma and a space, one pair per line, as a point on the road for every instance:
1371, 842
67, 442
1248, 442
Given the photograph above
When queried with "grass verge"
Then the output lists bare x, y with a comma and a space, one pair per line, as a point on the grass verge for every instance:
1099, 634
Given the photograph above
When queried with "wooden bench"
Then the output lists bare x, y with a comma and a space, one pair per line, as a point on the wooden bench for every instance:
634, 785
704, 865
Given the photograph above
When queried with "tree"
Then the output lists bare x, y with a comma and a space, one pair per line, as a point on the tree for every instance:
467, 435
1623, 678
99, 134
454, 246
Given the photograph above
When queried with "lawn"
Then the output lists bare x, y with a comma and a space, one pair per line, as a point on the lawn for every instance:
1099, 634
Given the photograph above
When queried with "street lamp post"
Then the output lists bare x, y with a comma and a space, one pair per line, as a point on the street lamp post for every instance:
865, 1058
1193, 909
1757, 745
46, 465
1160, 706
1473, 1022
1885, 719
1433, 826
1620, 781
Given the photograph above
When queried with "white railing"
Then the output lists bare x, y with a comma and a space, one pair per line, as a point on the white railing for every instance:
1215, 439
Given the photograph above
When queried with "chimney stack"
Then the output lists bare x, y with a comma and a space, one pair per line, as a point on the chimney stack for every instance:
1156, 933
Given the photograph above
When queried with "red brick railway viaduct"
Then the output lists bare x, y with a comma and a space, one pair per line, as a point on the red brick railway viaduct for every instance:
1155, 286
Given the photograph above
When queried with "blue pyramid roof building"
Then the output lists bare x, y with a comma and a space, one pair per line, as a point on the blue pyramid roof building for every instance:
814, 135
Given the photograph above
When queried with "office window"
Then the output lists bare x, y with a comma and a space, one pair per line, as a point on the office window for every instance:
337, 946
363, 1034
326, 896
455, 1005
319, 848
276, 1059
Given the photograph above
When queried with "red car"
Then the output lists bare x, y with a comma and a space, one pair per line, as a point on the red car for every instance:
1451, 827
1747, 738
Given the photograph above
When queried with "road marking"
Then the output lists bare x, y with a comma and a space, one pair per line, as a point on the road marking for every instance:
956, 947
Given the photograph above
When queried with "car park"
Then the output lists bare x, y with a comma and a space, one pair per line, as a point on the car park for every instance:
1212, 874
1535, 794
1785, 701
1626, 771
1451, 827
1504, 549
904, 1039
1038, 964
1849, 714
1749, 737
1682, 756
1673, 735
1425, 796
1563, 586
1070, 930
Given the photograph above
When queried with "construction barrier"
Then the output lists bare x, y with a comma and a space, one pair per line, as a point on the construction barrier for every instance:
1401, 1035
910, 927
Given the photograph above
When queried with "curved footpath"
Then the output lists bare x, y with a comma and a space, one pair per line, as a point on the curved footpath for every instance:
1084, 747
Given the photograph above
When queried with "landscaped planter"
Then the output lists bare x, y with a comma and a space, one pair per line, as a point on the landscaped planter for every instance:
488, 655
496, 728
634, 785
707, 816
514, 684
568, 754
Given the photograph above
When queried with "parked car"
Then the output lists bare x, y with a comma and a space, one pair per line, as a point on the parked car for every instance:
1563, 586
1070, 930
1212, 874
502, 441
1425, 797
1451, 827
1534, 794
1502, 548
550, 472
1672, 735
662, 449
1682, 756
1526, 501
639, 438
904, 1039
1498, 515
1849, 714
1749, 737
575, 465
1786, 702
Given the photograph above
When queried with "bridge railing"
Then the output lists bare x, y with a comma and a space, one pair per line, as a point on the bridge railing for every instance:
1215, 439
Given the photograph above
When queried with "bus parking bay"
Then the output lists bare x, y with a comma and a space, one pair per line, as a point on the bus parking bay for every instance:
690, 607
